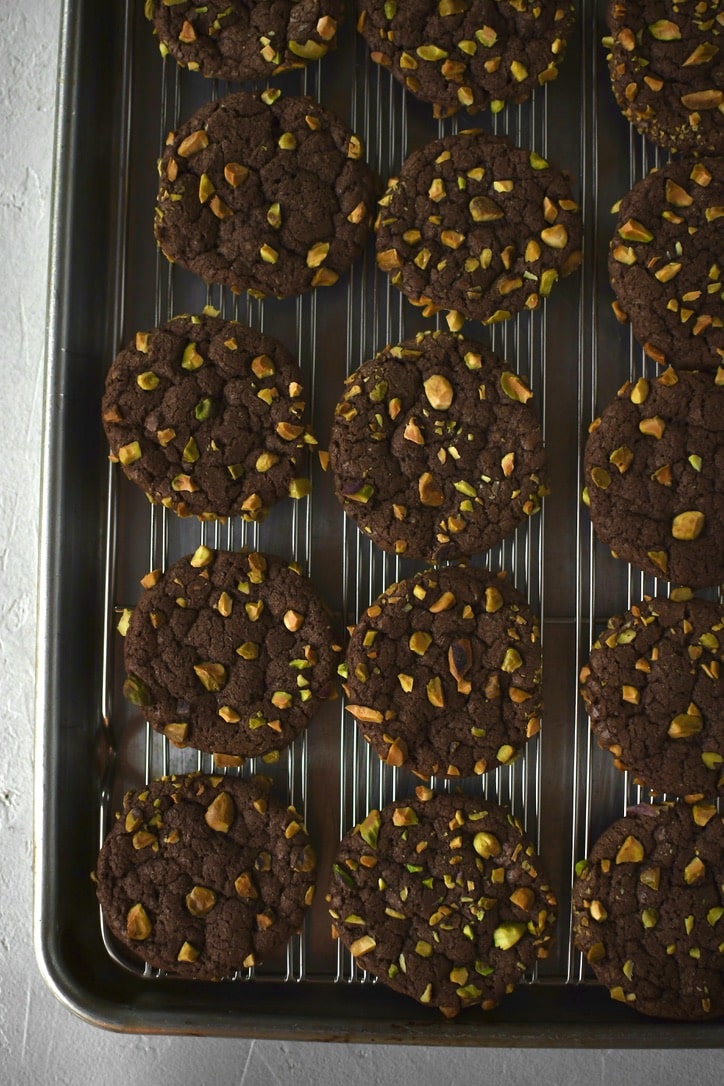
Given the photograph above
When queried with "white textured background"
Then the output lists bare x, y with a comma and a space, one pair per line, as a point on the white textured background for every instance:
40, 1041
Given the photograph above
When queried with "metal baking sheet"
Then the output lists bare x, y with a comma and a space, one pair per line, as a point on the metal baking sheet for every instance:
117, 100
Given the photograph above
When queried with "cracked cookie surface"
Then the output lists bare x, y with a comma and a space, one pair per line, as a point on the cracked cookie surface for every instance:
443, 673
443, 898
245, 39
653, 470
648, 907
268, 194
665, 263
653, 690
204, 876
229, 652
667, 71
467, 54
207, 417
435, 448
479, 227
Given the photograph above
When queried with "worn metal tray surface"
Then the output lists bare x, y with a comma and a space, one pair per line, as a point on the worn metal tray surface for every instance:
117, 100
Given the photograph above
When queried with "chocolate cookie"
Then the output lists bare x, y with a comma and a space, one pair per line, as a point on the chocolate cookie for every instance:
654, 687
653, 467
435, 448
204, 876
268, 194
665, 263
229, 652
236, 39
477, 226
443, 898
443, 673
647, 910
468, 53
667, 72
207, 417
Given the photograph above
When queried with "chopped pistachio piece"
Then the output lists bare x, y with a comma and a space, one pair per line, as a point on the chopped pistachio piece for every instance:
507, 935
138, 923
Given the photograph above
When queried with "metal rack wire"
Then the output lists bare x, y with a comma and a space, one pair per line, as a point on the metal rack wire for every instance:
573, 354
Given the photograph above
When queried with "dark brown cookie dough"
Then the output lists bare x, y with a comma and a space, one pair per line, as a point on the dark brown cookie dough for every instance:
245, 39
204, 876
667, 72
654, 688
654, 470
648, 907
478, 227
443, 898
207, 417
269, 194
665, 263
469, 54
435, 449
229, 652
443, 673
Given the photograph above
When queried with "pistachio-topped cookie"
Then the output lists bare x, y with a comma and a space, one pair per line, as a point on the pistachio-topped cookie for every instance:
654, 689
654, 484
666, 262
229, 652
648, 910
239, 40
204, 876
477, 226
443, 898
467, 54
268, 193
667, 70
207, 416
443, 673
436, 449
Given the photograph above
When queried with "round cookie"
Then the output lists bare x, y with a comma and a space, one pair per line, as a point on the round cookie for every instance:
667, 72
436, 450
653, 467
207, 417
468, 54
229, 652
204, 876
443, 673
648, 907
268, 194
653, 688
443, 898
665, 263
242, 40
478, 227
